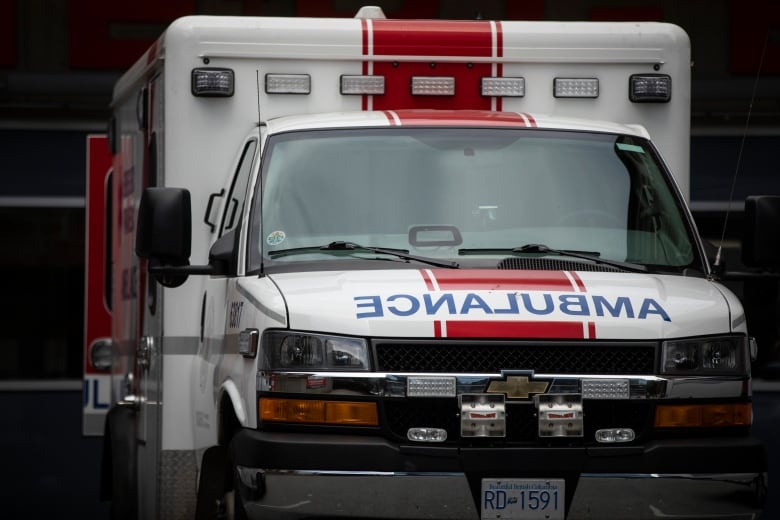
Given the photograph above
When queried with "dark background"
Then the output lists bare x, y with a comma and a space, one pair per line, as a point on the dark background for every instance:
58, 62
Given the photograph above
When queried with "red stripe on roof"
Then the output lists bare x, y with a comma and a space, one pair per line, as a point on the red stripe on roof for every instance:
432, 38
490, 279
515, 329
461, 118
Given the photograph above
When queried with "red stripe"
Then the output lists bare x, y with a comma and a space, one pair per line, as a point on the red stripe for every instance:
432, 38
591, 330
437, 329
531, 120
515, 329
460, 118
428, 281
578, 281
489, 279
499, 66
389, 117
364, 25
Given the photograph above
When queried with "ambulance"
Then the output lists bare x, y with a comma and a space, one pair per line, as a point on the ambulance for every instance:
375, 268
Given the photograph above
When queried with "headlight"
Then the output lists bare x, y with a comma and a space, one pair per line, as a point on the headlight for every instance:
286, 350
705, 356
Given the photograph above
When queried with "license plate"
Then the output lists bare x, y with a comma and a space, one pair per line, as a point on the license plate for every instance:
523, 499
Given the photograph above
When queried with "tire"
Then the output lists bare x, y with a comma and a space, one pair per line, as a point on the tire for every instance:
119, 483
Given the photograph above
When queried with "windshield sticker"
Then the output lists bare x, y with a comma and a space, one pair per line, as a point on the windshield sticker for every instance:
630, 148
275, 238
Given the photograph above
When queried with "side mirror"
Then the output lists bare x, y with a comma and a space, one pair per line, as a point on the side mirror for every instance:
761, 234
164, 230
164, 233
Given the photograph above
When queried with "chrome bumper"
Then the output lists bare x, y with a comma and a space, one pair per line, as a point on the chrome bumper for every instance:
289, 494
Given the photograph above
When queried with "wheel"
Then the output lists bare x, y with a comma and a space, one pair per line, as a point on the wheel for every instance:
119, 464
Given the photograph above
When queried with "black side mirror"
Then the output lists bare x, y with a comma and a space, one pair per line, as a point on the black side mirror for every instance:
164, 233
761, 234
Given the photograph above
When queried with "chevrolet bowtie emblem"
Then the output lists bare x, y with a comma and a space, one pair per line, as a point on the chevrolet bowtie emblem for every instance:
517, 387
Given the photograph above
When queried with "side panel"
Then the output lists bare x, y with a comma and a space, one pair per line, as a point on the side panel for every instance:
97, 313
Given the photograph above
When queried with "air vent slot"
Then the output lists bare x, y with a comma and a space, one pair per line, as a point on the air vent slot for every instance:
553, 264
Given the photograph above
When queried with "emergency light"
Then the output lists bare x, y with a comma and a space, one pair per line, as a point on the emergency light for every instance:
433, 86
605, 389
212, 82
287, 84
650, 88
506, 87
430, 386
576, 87
362, 85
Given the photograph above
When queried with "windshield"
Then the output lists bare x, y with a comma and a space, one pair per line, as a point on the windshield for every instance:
470, 195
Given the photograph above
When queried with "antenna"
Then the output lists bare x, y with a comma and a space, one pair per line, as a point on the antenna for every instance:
259, 179
739, 155
257, 81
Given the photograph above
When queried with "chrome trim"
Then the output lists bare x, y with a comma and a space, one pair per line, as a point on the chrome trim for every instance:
375, 384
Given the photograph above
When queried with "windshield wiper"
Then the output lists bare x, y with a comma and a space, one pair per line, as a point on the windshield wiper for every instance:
593, 256
340, 245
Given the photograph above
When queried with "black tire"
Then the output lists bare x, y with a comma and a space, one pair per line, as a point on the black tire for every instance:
119, 484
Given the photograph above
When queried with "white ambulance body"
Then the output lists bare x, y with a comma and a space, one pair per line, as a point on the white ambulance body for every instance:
439, 271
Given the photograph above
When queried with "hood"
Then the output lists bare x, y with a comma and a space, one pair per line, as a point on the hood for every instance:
498, 303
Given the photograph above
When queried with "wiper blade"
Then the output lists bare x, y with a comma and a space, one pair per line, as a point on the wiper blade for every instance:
351, 246
593, 256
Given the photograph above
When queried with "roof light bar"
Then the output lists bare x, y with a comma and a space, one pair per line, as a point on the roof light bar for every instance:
433, 86
576, 87
211, 82
650, 88
504, 87
287, 84
363, 85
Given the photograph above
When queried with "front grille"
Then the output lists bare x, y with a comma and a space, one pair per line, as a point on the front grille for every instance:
493, 357
521, 418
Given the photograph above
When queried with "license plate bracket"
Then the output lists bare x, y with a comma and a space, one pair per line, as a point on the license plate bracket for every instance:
522, 499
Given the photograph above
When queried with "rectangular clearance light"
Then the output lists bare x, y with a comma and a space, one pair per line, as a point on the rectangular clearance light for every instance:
363, 85
605, 389
210, 82
650, 88
433, 86
287, 84
430, 386
503, 87
576, 87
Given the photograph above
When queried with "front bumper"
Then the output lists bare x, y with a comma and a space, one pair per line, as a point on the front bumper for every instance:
310, 475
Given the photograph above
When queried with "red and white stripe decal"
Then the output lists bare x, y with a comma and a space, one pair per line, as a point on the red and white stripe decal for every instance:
491, 280
427, 117
465, 50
